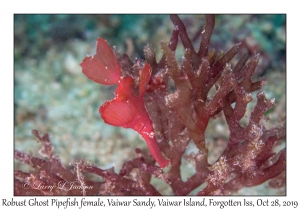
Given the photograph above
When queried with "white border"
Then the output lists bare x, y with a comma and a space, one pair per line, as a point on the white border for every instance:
153, 6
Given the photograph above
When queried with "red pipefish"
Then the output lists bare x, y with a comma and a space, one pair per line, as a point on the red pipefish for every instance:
125, 110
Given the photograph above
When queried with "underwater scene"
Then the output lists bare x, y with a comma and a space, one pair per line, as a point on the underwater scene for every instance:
53, 95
